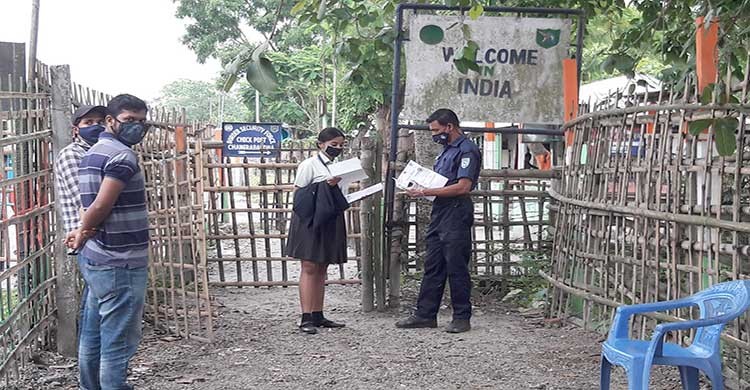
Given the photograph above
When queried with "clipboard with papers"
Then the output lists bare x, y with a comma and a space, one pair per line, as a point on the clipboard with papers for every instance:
417, 175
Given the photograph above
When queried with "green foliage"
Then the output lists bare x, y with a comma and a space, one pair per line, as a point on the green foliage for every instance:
301, 53
533, 286
8, 305
648, 36
302, 86
724, 128
261, 75
201, 100
726, 141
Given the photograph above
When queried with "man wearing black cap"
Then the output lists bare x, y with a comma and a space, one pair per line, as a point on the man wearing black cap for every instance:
88, 122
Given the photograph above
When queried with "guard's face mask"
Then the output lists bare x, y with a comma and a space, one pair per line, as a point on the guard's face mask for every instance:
441, 138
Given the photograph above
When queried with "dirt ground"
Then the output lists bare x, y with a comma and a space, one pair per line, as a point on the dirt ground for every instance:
259, 347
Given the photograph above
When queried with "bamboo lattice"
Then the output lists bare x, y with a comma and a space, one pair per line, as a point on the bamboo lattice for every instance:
647, 212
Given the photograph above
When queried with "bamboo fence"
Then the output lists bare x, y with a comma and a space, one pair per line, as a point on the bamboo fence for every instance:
647, 212
27, 276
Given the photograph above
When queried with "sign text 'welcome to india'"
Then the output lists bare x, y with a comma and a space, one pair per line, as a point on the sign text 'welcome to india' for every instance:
520, 68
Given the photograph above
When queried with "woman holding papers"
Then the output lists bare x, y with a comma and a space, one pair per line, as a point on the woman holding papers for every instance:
317, 235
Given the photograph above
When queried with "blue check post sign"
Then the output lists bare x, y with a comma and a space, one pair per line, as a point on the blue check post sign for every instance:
251, 139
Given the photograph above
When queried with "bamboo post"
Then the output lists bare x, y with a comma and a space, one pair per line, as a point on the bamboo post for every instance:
66, 293
33, 40
377, 229
366, 146
400, 231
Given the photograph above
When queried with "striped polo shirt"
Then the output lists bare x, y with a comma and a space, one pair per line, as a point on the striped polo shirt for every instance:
122, 239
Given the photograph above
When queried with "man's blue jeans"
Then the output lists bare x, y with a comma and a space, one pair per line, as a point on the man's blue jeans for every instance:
111, 325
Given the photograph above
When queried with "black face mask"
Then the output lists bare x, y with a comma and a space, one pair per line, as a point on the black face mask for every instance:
131, 133
90, 134
333, 152
441, 138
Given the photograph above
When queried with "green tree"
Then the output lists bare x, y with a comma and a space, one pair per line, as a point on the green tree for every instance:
302, 54
601, 31
202, 101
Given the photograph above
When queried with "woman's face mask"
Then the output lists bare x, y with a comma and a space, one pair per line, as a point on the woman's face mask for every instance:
333, 152
334, 147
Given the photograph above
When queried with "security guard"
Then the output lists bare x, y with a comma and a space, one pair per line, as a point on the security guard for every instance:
449, 234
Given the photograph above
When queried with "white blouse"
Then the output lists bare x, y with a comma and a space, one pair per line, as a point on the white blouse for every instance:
312, 170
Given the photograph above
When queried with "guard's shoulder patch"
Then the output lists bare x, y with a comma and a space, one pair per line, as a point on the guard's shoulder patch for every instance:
465, 162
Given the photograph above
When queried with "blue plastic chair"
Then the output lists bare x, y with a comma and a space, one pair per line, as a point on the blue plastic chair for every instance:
718, 305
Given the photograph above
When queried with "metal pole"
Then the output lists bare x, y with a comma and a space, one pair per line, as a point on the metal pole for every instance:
579, 45
390, 189
257, 106
333, 104
33, 40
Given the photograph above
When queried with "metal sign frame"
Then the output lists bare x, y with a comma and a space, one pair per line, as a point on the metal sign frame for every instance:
397, 91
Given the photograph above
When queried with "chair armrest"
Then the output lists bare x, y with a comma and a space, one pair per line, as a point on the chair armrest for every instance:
629, 310
685, 325
657, 339
619, 328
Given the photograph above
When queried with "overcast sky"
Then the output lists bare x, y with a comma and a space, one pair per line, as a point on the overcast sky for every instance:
115, 46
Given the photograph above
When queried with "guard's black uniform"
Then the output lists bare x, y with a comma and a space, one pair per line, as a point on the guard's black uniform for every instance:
449, 235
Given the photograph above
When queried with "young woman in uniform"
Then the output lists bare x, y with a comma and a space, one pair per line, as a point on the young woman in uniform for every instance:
318, 243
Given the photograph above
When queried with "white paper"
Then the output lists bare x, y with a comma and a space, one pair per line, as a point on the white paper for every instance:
361, 194
348, 170
415, 174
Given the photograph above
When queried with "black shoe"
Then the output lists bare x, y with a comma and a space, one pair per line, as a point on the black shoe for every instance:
326, 323
416, 322
458, 326
308, 327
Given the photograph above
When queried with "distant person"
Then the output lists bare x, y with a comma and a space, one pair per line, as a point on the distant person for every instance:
317, 235
448, 236
113, 244
88, 123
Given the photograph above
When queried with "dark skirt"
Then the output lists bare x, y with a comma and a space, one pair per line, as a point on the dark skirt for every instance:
325, 246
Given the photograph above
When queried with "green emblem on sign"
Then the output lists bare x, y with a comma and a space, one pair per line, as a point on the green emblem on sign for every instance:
431, 34
547, 38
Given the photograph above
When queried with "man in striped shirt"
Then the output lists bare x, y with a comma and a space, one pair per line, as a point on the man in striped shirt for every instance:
113, 243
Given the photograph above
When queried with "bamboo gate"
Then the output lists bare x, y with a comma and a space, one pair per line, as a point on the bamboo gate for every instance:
647, 212
249, 206
248, 209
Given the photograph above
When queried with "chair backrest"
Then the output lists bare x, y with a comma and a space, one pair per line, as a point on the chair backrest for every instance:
723, 299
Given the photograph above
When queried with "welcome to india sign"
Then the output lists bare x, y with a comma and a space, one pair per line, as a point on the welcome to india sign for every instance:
520, 63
